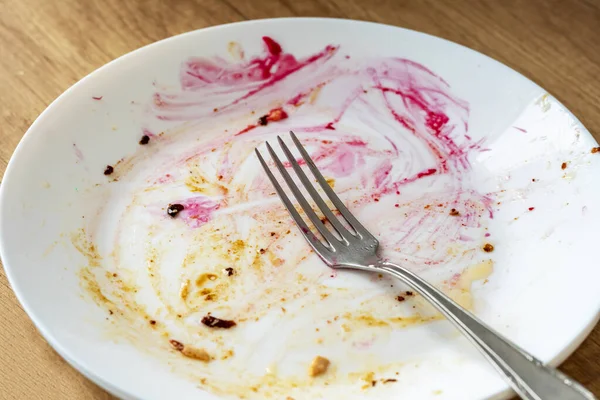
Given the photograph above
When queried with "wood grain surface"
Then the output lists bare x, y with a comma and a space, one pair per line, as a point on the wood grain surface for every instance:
48, 45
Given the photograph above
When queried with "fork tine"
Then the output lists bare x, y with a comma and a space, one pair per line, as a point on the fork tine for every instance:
306, 232
344, 233
353, 222
314, 218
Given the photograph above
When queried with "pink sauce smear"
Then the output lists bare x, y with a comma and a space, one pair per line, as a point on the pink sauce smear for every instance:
418, 142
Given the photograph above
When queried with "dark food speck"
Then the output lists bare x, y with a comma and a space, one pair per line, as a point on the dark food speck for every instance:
595, 150
229, 271
174, 209
109, 170
563, 166
488, 248
213, 322
145, 139
454, 212
176, 345
400, 298
263, 120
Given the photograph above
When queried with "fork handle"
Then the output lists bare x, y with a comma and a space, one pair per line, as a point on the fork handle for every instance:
528, 376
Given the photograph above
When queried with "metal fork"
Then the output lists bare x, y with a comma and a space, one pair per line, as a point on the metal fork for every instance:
356, 248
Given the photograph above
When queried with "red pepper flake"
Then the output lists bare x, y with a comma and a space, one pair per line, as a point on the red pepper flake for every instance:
396, 205
213, 322
488, 248
277, 114
397, 192
97, 97
563, 166
109, 170
174, 209
531, 208
595, 150
454, 212
145, 139
273, 233
376, 199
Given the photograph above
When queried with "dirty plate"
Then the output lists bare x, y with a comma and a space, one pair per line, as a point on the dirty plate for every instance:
146, 244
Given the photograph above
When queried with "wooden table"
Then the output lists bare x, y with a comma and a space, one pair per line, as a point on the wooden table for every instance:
46, 46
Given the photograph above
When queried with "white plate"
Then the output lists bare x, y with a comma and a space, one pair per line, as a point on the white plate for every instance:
418, 122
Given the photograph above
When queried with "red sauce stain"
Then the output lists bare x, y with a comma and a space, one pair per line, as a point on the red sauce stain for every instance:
273, 47
427, 140
197, 211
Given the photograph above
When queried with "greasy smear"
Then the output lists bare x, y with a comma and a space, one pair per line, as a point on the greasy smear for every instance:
387, 133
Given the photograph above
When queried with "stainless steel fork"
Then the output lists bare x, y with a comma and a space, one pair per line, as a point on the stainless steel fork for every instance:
356, 248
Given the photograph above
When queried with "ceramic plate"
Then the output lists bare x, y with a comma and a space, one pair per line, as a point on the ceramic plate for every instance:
135, 217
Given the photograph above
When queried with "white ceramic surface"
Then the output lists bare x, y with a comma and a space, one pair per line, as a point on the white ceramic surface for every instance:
419, 122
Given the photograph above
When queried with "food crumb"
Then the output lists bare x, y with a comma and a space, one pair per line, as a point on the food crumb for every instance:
390, 380
189, 351
318, 366
263, 120
488, 248
152, 322
109, 170
97, 97
176, 345
145, 139
174, 209
409, 293
563, 166
595, 150
531, 208
213, 322
454, 212
229, 271
400, 298
185, 289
